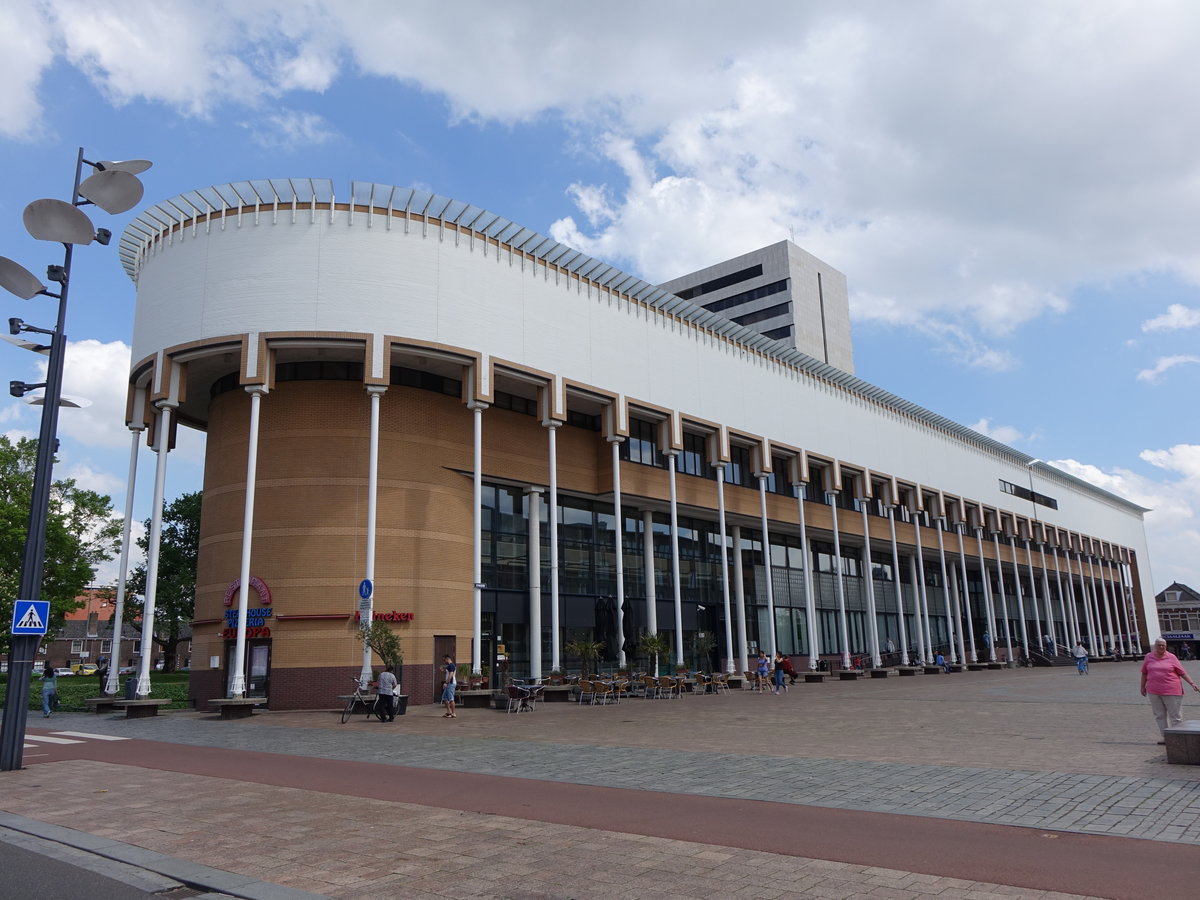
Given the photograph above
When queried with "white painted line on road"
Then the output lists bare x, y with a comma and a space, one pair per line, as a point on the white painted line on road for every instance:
52, 740
90, 736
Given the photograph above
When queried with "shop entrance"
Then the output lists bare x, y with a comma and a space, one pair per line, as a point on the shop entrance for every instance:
258, 666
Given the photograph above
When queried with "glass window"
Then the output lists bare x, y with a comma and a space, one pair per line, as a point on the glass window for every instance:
692, 460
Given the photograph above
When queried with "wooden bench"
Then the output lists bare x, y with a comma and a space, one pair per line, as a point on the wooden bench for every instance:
976, 667
910, 670
100, 705
880, 673
814, 677
1183, 743
849, 674
955, 667
237, 707
995, 665
140, 709
932, 670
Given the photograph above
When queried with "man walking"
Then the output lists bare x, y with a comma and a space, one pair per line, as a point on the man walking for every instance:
387, 692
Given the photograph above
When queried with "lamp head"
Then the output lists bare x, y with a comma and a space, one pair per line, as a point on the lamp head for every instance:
56, 273
15, 325
103, 236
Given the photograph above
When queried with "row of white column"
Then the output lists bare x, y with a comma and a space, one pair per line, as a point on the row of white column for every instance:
1097, 594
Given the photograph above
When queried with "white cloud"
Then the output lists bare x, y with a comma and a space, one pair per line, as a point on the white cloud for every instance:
1005, 434
922, 148
1163, 365
1176, 318
1173, 522
290, 130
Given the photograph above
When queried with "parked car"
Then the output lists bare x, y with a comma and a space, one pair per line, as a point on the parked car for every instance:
62, 672
84, 668
127, 670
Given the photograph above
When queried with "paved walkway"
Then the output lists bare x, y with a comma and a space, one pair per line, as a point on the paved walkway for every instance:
1070, 756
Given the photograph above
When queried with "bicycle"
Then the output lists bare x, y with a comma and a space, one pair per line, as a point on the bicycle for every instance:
369, 703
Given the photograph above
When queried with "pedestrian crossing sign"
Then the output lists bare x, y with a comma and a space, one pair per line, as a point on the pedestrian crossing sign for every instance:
30, 616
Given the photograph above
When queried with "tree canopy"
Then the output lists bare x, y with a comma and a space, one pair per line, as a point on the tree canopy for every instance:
175, 596
81, 533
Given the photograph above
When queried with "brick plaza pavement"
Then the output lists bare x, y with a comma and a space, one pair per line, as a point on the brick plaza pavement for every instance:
1045, 749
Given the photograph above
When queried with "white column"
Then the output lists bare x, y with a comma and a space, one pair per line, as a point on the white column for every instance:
739, 594
921, 594
555, 612
729, 660
1068, 622
162, 439
1119, 609
956, 595
1104, 641
1050, 629
1075, 605
1127, 578
237, 685
941, 527
615, 442
1087, 606
904, 660
1126, 604
1062, 607
534, 495
959, 528
810, 601
477, 409
772, 646
1100, 606
1037, 616
987, 598
648, 568
1112, 640
1003, 596
676, 587
112, 684
831, 498
869, 578
375, 393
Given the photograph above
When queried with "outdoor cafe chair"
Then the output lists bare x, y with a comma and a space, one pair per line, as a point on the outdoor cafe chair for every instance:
536, 693
651, 689
601, 690
720, 683
518, 699
585, 690
668, 687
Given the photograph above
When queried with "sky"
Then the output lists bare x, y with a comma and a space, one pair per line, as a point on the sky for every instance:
1010, 188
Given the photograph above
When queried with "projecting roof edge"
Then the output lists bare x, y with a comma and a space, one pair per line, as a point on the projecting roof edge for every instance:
298, 194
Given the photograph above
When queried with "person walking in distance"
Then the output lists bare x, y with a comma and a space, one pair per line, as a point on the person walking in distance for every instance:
448, 683
386, 687
1081, 657
1162, 682
49, 690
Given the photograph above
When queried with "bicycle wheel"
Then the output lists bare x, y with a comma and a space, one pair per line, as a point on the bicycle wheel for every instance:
346, 713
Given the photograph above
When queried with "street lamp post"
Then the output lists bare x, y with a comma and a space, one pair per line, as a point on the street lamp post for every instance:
114, 188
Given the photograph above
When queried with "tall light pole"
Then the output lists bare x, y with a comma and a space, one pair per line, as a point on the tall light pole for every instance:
114, 188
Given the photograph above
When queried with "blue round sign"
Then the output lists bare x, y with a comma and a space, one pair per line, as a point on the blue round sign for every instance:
365, 588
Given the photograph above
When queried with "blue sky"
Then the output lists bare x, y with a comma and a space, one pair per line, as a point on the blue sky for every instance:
1011, 189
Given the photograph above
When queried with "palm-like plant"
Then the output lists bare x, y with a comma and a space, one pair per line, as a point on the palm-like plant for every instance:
654, 645
586, 651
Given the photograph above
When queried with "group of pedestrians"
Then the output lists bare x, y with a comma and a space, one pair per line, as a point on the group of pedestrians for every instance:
767, 675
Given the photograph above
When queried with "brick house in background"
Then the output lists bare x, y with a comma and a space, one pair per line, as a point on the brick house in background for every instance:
86, 636
1178, 609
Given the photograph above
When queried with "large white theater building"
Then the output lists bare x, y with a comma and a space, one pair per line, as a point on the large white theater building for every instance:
518, 445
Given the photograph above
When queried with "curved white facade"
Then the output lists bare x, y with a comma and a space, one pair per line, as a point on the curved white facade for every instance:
211, 269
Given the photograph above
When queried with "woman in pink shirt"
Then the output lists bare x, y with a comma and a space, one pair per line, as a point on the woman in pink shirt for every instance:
1162, 681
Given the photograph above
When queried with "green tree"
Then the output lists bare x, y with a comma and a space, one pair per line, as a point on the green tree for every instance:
175, 596
653, 645
385, 642
81, 533
587, 651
